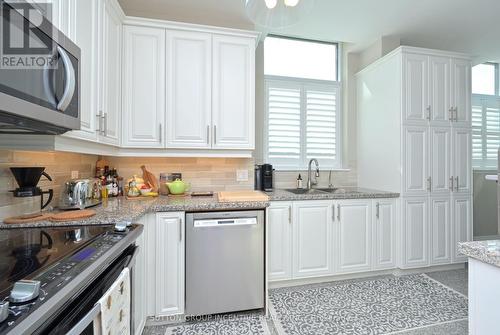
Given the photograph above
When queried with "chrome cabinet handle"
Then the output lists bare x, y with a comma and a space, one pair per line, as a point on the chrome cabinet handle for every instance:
215, 134
450, 114
457, 184
99, 119
428, 112
179, 220
378, 210
451, 186
338, 212
208, 134
69, 81
290, 214
456, 114
105, 124
160, 133
333, 213
429, 184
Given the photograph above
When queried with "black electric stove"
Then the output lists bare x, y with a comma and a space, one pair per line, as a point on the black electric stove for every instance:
56, 263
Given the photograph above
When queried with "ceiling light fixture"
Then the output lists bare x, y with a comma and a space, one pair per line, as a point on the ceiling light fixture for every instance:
275, 14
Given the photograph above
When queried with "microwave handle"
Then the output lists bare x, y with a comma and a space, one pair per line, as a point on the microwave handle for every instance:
70, 82
85, 321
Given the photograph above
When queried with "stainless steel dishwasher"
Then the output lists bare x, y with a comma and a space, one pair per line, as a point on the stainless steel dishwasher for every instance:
224, 262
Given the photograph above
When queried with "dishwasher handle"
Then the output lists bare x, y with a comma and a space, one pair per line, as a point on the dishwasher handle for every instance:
223, 223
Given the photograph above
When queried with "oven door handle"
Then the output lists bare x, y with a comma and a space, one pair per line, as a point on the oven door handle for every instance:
132, 258
85, 321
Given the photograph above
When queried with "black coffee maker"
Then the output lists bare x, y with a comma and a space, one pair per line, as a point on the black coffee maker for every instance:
264, 177
27, 178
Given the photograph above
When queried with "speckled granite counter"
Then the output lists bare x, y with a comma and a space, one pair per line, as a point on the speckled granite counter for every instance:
340, 193
120, 209
485, 251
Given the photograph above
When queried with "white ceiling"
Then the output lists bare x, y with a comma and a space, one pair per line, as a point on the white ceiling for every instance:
470, 26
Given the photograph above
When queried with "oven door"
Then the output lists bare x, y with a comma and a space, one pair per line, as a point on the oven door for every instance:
39, 75
78, 317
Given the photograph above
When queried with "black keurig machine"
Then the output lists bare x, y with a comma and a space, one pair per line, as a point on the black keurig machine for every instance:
263, 177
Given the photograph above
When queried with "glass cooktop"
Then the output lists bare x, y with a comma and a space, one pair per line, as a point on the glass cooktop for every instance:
26, 252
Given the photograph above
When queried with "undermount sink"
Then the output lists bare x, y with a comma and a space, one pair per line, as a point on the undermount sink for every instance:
330, 190
304, 191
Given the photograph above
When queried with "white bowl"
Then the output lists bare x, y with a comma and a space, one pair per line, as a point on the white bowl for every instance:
145, 191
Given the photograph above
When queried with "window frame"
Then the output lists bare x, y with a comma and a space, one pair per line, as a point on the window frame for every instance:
295, 82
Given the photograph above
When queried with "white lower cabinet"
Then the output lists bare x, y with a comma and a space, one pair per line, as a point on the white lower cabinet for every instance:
440, 230
415, 232
354, 235
385, 213
169, 284
312, 239
462, 225
279, 232
324, 237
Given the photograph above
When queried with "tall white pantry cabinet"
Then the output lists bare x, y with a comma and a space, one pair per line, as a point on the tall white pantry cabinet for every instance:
414, 137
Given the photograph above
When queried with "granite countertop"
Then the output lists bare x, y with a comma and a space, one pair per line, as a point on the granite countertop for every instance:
485, 251
340, 193
114, 210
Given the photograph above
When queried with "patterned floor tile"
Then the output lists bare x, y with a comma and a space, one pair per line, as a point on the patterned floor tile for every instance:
375, 306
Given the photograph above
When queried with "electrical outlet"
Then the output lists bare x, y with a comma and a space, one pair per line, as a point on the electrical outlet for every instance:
74, 174
241, 175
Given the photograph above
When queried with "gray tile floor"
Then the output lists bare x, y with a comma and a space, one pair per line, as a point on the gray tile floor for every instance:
455, 279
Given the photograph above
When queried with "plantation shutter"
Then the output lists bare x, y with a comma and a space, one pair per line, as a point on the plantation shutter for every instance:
302, 123
485, 131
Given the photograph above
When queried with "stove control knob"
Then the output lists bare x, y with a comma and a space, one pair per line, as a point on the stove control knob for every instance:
4, 310
24, 291
121, 226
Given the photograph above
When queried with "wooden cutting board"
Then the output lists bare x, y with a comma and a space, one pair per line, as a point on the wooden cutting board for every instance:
241, 196
54, 217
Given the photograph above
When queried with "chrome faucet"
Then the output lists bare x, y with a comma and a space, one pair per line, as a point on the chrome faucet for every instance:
310, 183
330, 184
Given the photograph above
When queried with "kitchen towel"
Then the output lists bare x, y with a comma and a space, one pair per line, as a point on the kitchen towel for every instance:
114, 318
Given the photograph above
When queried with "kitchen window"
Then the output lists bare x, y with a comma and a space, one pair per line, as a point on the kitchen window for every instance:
485, 116
303, 108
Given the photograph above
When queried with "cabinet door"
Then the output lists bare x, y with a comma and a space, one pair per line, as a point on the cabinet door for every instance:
354, 220
439, 90
143, 87
384, 233
461, 91
415, 88
279, 258
312, 239
189, 89
441, 160
415, 232
416, 160
110, 90
233, 100
462, 225
170, 263
440, 230
462, 160
82, 27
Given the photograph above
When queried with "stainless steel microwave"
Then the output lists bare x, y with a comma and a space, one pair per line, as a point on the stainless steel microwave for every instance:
39, 73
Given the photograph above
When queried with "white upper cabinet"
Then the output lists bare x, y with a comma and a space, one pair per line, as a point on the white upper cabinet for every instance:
415, 87
312, 239
354, 220
462, 160
189, 87
416, 160
143, 87
441, 160
461, 91
109, 115
233, 100
439, 90
81, 28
